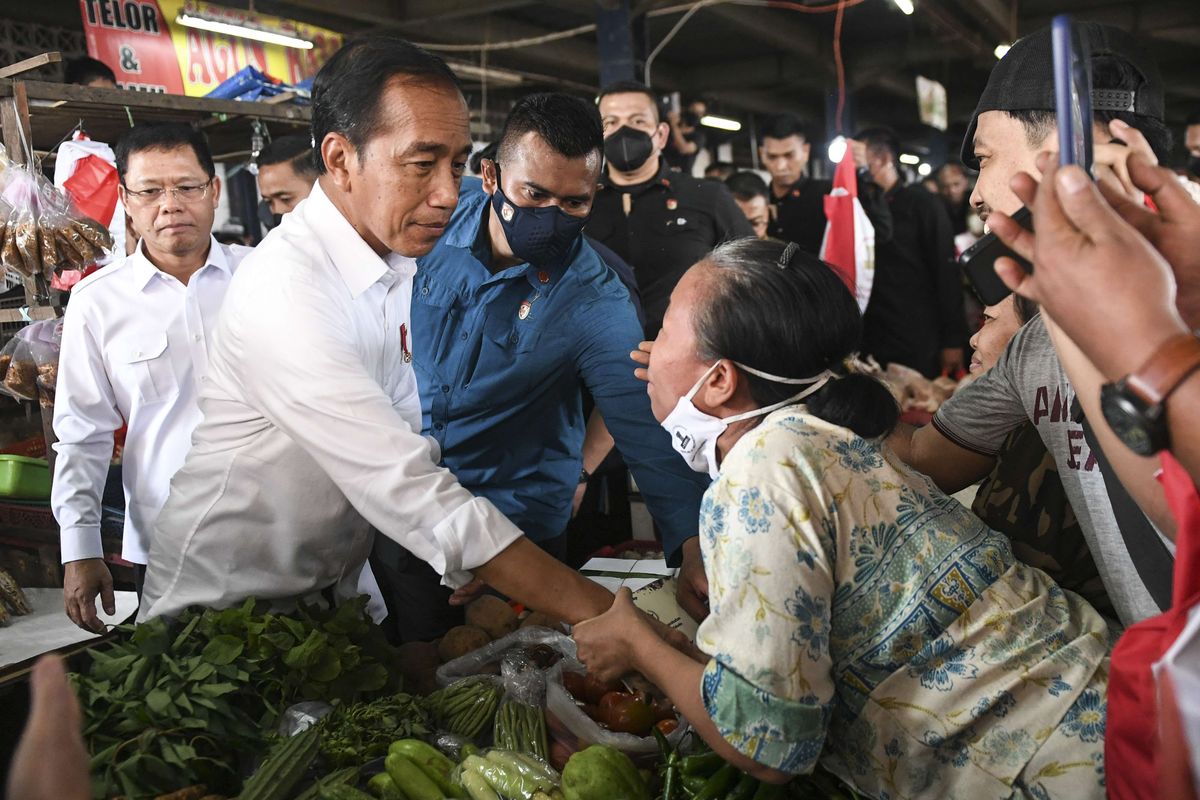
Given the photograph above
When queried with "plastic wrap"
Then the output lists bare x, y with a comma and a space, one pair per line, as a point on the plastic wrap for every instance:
41, 232
29, 362
520, 722
302, 716
509, 773
486, 660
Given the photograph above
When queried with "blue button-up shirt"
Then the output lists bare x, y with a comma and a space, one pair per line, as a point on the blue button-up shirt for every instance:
501, 361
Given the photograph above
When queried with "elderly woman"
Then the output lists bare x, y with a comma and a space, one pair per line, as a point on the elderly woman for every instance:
859, 617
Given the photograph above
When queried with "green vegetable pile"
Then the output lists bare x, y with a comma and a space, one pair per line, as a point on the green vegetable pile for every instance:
354, 734
465, 707
522, 728
193, 700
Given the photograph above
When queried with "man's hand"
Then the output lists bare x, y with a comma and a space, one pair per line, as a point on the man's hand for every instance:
642, 356
1086, 262
82, 581
1110, 161
952, 361
1174, 230
467, 592
51, 761
691, 590
859, 151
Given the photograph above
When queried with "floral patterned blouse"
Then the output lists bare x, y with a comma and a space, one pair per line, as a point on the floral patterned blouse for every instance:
862, 618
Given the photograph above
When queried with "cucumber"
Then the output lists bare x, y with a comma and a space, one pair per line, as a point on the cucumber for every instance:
410, 778
342, 792
383, 787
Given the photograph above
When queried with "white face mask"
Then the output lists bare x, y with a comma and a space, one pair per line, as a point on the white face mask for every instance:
694, 434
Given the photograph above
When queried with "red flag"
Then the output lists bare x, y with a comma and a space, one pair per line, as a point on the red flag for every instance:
849, 244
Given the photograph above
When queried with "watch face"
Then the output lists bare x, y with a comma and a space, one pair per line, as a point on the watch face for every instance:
1127, 421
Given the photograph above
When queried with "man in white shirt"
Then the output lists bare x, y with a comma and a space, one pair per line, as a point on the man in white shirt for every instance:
134, 350
311, 430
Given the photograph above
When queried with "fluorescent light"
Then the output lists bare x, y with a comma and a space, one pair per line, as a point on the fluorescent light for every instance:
242, 31
905, 5
721, 123
837, 149
489, 74
910, 159
924, 170
1002, 50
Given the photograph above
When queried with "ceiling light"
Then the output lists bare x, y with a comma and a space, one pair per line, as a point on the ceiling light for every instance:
910, 159
242, 31
487, 74
904, 5
837, 149
1002, 49
924, 170
721, 123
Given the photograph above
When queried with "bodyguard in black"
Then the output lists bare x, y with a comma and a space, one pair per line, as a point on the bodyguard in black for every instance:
661, 222
798, 201
916, 315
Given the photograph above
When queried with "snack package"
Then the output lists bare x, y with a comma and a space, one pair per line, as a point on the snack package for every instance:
29, 361
20, 376
41, 232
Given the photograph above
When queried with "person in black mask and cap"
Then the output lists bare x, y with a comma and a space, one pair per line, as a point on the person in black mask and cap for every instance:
514, 314
661, 222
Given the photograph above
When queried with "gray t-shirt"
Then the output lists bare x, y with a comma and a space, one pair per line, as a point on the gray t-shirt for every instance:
1028, 382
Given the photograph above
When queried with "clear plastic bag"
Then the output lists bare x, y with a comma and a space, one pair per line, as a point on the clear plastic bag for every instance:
20, 371
485, 660
41, 232
29, 363
509, 773
520, 722
302, 716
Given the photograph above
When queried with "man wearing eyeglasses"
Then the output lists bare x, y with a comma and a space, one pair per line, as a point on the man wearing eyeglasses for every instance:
135, 348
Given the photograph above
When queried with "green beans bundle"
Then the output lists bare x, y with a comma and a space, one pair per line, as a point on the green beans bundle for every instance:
465, 707
522, 727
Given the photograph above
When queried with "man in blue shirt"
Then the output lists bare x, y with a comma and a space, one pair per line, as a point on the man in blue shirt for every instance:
514, 315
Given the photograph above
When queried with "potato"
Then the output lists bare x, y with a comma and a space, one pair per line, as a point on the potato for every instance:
460, 641
542, 619
418, 664
493, 615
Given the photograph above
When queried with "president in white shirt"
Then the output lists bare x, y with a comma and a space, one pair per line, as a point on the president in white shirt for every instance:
311, 430
135, 345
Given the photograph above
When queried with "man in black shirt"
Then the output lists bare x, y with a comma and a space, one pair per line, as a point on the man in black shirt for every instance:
915, 316
797, 201
954, 186
661, 222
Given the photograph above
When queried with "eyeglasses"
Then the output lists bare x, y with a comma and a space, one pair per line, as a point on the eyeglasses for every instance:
184, 193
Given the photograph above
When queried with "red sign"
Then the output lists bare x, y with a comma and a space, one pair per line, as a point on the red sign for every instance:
133, 38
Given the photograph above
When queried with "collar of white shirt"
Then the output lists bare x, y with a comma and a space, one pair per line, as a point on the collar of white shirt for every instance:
359, 265
144, 271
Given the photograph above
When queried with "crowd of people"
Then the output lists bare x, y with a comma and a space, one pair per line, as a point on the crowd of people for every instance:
405, 389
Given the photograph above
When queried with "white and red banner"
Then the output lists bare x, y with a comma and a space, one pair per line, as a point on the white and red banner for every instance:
849, 243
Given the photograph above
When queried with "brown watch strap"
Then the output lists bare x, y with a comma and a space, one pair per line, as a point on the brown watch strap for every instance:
1174, 360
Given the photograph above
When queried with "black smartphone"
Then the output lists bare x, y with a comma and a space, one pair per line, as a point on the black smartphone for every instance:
979, 262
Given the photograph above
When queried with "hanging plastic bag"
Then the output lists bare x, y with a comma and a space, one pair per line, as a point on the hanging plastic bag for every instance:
87, 171
42, 233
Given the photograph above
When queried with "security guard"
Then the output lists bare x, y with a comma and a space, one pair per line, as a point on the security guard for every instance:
798, 201
661, 222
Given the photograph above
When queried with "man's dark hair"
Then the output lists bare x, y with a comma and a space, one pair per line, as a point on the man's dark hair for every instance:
746, 186
782, 126
631, 87
295, 149
569, 125
162, 136
721, 167
1193, 119
81, 71
785, 312
347, 92
1108, 72
881, 139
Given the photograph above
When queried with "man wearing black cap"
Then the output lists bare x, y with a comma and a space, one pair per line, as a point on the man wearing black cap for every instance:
1015, 121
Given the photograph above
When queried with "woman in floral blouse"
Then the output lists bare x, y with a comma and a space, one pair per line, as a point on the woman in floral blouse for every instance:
859, 617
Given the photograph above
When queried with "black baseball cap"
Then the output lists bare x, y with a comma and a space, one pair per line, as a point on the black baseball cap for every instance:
1024, 79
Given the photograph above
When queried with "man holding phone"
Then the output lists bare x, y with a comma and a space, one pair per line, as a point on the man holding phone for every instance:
1016, 120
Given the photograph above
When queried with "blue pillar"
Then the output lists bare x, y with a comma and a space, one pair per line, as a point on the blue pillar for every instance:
614, 39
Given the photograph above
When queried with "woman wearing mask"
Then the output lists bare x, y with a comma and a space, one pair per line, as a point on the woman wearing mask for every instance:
859, 617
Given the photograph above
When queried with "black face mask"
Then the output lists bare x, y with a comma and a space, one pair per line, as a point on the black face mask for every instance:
265, 216
1193, 166
540, 236
628, 149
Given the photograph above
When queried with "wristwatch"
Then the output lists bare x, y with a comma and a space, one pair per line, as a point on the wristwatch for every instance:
1135, 406
584, 475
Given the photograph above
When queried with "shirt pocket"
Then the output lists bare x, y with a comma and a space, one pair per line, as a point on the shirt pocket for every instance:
506, 357
146, 365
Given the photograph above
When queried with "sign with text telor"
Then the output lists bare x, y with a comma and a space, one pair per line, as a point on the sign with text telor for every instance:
149, 51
